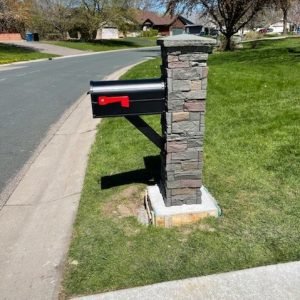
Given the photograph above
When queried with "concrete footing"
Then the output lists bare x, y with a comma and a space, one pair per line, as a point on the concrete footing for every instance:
164, 216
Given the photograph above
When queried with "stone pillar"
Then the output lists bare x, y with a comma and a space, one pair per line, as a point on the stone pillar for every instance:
184, 68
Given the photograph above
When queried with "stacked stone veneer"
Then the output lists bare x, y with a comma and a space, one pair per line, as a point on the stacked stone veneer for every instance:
184, 67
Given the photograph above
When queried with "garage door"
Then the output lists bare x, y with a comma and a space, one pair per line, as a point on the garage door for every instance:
176, 31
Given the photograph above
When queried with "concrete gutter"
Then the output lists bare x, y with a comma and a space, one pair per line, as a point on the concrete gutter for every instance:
37, 219
275, 282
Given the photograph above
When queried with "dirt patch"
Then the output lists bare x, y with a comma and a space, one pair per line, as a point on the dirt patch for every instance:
127, 203
188, 229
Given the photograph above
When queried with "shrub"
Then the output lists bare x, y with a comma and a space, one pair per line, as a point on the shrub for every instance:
253, 35
149, 33
53, 37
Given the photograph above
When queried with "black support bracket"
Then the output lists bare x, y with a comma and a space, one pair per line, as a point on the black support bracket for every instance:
145, 129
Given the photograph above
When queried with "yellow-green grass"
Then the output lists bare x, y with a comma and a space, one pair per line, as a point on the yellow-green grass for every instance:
11, 53
252, 163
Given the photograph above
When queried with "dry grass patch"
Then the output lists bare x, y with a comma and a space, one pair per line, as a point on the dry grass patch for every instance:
127, 203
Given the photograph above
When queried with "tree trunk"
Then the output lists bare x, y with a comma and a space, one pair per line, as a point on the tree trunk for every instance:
285, 14
228, 45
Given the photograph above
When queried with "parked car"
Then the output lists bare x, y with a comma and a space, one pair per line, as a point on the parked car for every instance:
263, 30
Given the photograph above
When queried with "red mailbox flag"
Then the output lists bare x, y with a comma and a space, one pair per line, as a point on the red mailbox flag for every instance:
104, 100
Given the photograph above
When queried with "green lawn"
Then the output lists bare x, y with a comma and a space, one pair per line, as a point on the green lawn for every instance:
10, 53
252, 163
105, 45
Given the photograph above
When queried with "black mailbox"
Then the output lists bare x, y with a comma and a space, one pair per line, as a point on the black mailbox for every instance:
127, 97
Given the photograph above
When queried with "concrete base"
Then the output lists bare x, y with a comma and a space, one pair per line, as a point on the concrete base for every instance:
164, 216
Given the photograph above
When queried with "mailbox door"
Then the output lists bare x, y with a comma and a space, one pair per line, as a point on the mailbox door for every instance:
128, 98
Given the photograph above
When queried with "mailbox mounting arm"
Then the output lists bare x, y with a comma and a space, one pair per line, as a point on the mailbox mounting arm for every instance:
144, 128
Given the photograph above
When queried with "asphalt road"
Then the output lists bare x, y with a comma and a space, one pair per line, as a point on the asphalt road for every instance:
34, 95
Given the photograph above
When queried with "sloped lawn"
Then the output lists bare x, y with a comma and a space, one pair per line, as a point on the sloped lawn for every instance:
105, 45
252, 167
11, 53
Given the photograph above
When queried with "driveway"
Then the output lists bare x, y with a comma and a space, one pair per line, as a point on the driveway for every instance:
46, 48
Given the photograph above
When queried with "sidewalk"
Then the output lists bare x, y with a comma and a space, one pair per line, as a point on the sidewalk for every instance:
36, 222
46, 48
276, 282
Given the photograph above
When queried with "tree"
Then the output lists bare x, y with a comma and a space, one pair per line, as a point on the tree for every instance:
54, 16
14, 15
285, 6
294, 14
229, 15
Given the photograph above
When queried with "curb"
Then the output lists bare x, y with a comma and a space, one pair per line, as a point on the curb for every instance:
73, 56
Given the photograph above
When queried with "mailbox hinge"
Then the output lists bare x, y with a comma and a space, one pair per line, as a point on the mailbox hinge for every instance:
148, 131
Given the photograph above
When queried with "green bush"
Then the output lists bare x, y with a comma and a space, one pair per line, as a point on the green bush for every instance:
149, 33
53, 37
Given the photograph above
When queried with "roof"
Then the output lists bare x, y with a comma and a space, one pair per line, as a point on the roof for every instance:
143, 16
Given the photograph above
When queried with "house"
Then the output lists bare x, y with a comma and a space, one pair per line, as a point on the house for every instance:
278, 27
107, 33
204, 25
166, 25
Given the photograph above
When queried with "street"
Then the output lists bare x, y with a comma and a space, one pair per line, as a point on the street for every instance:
34, 95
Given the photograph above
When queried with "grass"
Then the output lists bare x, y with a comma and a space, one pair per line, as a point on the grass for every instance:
105, 45
252, 163
271, 44
11, 53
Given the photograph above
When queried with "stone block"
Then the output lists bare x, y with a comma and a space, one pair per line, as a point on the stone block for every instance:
195, 142
198, 106
187, 175
173, 58
199, 57
178, 65
177, 95
169, 72
188, 166
196, 95
186, 127
175, 105
204, 72
198, 64
196, 85
170, 176
180, 116
204, 84
173, 167
173, 185
187, 155
183, 191
169, 129
181, 85
173, 51
169, 158
183, 199
195, 116
168, 117
176, 146
169, 85
186, 74
191, 183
